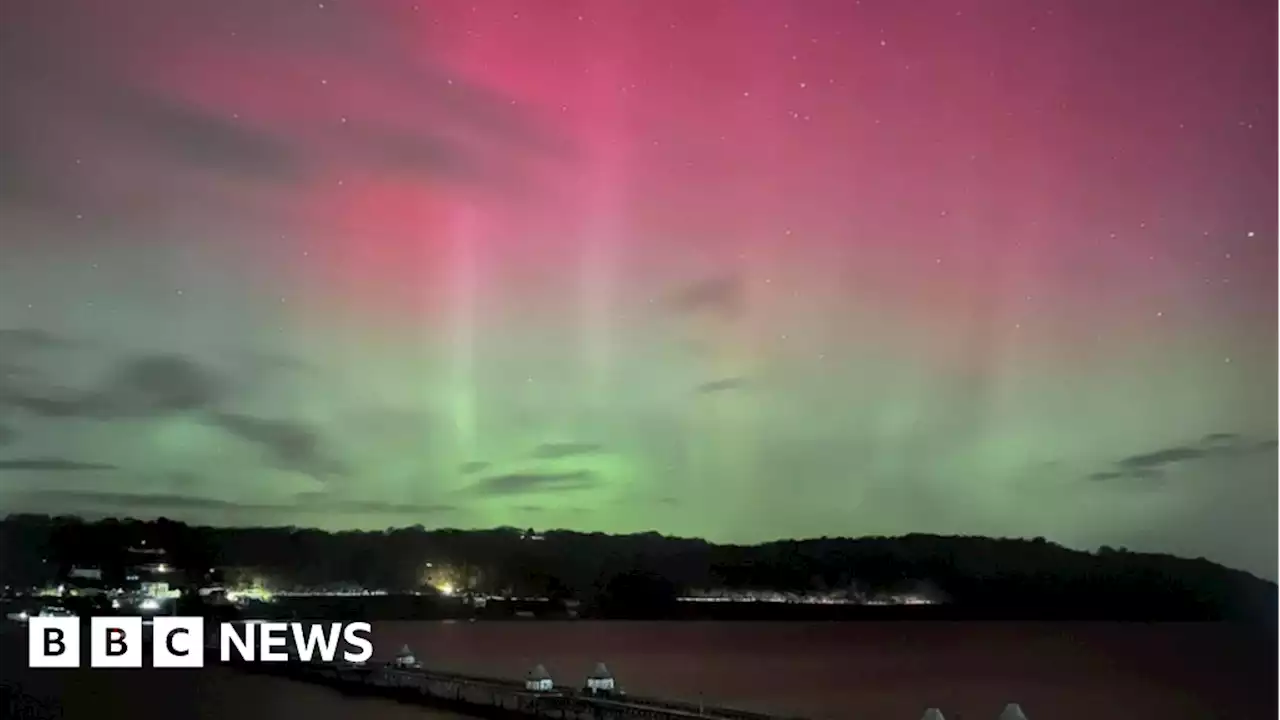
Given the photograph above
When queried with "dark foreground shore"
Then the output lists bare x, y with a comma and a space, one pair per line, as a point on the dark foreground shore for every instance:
822, 671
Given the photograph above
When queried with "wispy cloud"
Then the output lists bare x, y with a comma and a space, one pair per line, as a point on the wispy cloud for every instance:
290, 444
1157, 463
453, 130
52, 464
528, 483
141, 386
552, 451
161, 502
27, 339
718, 295
721, 385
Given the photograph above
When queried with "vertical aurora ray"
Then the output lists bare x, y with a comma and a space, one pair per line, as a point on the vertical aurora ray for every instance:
464, 280
601, 233
730, 421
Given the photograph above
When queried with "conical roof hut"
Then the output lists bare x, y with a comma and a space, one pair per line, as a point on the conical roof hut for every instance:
1012, 711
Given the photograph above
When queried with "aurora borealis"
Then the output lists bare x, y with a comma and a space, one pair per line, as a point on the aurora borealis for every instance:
739, 270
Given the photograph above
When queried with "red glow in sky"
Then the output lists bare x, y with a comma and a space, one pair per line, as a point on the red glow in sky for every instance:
921, 246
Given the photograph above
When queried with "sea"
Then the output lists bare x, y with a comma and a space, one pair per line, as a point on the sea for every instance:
823, 671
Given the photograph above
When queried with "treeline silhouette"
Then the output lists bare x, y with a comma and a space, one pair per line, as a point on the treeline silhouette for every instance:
642, 575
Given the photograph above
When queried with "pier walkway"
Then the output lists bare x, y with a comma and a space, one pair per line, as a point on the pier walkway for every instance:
486, 697
492, 697
406, 680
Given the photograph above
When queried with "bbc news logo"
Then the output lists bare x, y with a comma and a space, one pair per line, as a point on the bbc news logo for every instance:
179, 642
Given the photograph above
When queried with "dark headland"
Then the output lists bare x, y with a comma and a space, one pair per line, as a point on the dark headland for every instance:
412, 573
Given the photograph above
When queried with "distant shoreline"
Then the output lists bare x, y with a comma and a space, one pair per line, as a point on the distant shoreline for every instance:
643, 577
410, 607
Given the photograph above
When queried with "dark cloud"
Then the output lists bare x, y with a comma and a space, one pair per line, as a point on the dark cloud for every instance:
291, 444
468, 109
475, 466
143, 386
721, 296
1155, 464
524, 483
1135, 474
552, 451
70, 404
174, 502
160, 385
322, 501
1161, 458
419, 154
186, 134
24, 179
392, 507
383, 508
60, 62
129, 501
52, 465
24, 339
722, 385
184, 481
53, 402
1219, 437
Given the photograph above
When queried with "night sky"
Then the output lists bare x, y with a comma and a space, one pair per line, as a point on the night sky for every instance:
740, 270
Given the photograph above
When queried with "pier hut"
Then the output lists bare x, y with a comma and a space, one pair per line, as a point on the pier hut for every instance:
1012, 711
405, 659
539, 680
601, 680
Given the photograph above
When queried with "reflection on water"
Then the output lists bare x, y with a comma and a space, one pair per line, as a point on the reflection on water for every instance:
883, 670
833, 671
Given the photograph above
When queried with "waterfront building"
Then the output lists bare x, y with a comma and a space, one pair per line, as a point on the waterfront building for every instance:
406, 659
1012, 711
85, 573
539, 680
600, 680
83, 581
149, 573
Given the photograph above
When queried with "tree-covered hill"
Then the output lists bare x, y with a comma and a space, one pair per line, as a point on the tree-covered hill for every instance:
983, 576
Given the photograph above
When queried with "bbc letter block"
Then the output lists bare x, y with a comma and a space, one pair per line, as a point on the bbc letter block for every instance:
115, 642
177, 642
53, 642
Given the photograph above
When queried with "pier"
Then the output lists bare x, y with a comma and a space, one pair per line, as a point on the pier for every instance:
536, 696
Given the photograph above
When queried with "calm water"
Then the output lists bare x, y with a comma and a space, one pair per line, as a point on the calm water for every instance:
824, 671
